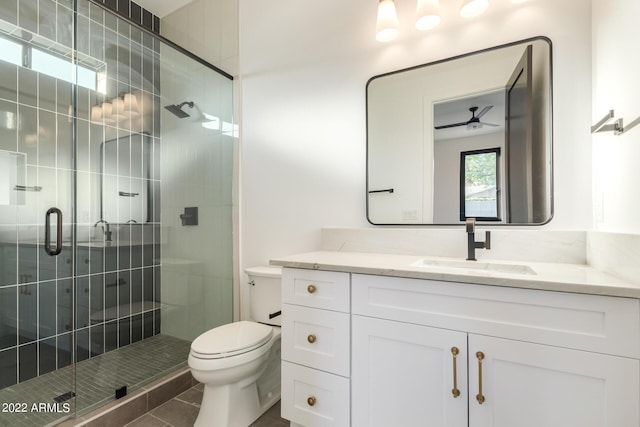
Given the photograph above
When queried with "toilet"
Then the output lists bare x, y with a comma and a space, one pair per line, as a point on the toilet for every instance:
239, 363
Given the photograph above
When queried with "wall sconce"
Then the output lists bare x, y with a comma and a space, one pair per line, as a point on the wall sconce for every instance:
107, 116
117, 108
427, 14
130, 103
473, 8
387, 22
96, 113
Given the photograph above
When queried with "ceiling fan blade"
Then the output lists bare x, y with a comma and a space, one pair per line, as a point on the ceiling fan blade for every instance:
488, 124
484, 111
452, 125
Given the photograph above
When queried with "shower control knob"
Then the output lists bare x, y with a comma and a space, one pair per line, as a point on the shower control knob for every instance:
311, 400
311, 338
311, 288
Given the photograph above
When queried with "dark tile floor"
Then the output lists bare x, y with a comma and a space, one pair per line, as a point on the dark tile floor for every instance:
182, 410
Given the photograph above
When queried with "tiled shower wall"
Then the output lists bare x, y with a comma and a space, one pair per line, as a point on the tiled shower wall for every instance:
118, 281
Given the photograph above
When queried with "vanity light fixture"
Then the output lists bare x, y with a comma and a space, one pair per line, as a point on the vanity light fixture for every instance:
427, 14
121, 107
387, 22
473, 8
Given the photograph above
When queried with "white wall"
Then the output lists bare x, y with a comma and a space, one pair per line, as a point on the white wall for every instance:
304, 66
616, 159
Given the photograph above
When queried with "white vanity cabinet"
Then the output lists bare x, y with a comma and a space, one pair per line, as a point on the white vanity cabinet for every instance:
403, 374
547, 358
415, 352
315, 347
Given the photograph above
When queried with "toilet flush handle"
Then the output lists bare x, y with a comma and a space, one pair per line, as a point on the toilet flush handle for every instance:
275, 314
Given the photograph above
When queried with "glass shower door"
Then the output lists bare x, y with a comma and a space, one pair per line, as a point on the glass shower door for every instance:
102, 286
37, 83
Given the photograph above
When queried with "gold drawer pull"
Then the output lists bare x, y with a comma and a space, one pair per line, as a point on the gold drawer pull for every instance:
480, 396
455, 391
311, 338
311, 400
311, 288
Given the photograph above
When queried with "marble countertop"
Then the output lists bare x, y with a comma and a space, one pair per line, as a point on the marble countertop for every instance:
576, 278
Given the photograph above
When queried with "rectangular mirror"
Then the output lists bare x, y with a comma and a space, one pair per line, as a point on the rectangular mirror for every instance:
422, 120
127, 188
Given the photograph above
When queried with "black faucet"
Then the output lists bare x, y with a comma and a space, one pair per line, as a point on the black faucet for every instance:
105, 229
472, 245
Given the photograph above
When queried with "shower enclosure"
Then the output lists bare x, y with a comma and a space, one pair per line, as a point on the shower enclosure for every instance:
115, 212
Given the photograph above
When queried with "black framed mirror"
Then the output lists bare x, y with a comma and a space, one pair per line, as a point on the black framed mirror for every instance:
420, 120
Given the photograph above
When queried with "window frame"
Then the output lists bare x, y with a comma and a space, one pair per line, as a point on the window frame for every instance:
463, 198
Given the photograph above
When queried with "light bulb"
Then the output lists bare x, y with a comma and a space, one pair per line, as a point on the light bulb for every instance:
96, 113
131, 105
117, 108
107, 109
387, 22
473, 8
427, 14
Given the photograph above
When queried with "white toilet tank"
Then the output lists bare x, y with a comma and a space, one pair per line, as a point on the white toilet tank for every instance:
264, 291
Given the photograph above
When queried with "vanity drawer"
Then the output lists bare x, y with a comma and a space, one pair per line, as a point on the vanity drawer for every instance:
316, 338
314, 398
328, 290
596, 323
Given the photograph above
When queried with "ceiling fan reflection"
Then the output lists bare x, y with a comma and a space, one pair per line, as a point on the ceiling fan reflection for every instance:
474, 122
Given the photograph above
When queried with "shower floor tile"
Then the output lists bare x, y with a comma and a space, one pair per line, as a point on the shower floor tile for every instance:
96, 380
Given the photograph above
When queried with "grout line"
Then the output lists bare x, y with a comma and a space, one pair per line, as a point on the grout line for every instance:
184, 401
157, 418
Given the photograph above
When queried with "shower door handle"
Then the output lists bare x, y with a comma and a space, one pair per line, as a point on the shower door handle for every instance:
47, 232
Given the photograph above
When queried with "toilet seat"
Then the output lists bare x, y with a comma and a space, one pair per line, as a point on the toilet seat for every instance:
231, 340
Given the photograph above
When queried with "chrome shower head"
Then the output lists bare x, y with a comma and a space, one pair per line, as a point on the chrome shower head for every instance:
176, 109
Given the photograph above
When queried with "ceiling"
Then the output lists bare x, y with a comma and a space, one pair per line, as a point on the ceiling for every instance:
162, 8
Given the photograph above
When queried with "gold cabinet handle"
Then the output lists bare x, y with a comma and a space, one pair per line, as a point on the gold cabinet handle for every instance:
311, 288
311, 400
480, 396
311, 338
454, 353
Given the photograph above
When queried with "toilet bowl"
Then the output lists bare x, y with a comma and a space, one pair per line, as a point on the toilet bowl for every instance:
239, 363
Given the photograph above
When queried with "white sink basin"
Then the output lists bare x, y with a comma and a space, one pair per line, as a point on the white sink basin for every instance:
475, 266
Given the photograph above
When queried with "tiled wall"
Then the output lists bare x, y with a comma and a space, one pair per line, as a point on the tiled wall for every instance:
133, 11
197, 267
118, 282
